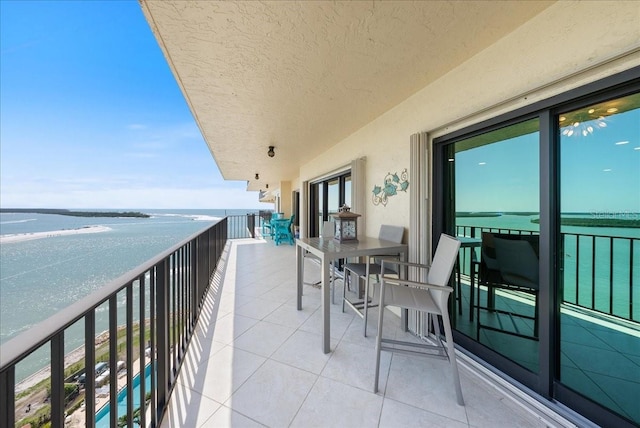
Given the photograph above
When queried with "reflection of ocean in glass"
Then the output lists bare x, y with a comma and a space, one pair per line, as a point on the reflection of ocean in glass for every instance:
621, 257
43, 276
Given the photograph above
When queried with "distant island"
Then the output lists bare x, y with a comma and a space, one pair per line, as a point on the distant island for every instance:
75, 213
477, 214
595, 222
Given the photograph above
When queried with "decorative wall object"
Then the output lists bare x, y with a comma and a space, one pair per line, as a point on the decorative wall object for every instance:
393, 183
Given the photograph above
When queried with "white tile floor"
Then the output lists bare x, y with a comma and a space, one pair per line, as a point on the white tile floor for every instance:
257, 361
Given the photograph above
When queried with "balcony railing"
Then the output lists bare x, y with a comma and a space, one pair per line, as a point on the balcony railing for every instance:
600, 272
166, 295
242, 226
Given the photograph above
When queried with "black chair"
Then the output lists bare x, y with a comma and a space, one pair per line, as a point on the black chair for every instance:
508, 262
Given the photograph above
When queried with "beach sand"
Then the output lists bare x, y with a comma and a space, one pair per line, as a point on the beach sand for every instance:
19, 237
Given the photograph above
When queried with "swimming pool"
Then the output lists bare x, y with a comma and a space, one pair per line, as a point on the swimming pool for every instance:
102, 416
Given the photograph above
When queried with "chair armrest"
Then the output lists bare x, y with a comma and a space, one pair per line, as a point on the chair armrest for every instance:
395, 281
404, 267
388, 260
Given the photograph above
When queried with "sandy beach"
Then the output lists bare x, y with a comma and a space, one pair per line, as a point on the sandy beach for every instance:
19, 237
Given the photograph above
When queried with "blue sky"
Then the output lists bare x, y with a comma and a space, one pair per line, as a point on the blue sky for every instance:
91, 116
599, 173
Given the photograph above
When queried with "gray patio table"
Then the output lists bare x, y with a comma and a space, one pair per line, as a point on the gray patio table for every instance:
328, 250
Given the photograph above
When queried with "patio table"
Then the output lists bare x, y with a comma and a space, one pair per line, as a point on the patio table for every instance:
328, 250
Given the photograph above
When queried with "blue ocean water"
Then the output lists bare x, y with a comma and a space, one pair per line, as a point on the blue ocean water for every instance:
43, 276
607, 271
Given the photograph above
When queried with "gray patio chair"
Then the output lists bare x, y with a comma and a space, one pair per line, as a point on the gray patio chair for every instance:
429, 296
364, 271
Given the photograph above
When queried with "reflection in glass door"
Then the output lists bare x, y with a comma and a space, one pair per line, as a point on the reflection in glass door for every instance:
326, 197
599, 266
495, 212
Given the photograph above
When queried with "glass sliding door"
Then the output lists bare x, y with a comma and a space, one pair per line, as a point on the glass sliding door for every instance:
599, 262
546, 203
327, 196
494, 198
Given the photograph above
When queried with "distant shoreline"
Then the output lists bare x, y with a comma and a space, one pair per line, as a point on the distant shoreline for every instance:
595, 222
75, 213
20, 237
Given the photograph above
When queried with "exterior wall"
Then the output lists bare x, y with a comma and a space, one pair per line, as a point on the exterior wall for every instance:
566, 46
285, 198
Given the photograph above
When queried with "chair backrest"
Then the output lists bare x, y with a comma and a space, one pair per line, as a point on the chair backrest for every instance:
391, 233
518, 262
444, 260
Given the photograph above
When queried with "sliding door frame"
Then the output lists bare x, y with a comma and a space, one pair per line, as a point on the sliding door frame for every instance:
546, 383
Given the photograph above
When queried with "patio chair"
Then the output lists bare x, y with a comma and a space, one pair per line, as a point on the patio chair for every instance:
265, 222
282, 230
429, 296
365, 270
509, 262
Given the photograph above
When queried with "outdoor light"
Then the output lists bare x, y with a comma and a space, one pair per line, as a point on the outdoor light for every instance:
257, 176
271, 153
267, 185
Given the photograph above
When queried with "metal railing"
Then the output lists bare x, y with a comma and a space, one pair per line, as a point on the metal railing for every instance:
242, 226
166, 293
599, 272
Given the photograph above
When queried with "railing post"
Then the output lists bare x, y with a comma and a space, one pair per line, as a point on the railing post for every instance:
153, 345
162, 333
113, 354
129, 366
57, 380
89, 372
8, 397
631, 259
142, 349
193, 281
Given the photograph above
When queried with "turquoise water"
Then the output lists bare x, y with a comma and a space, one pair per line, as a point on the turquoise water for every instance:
102, 416
602, 270
41, 277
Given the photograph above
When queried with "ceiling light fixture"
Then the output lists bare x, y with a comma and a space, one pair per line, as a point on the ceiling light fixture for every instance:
271, 153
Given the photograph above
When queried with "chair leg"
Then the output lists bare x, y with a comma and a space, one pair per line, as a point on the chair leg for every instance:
452, 358
378, 344
347, 280
365, 306
333, 284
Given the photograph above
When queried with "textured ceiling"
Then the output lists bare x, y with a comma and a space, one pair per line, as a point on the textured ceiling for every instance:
301, 76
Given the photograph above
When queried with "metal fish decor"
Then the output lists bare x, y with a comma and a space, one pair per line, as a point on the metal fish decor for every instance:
393, 183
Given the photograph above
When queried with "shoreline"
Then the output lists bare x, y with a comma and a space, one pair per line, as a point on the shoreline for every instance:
70, 358
21, 237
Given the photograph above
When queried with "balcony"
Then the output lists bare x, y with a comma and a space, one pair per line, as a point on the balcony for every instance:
230, 349
256, 360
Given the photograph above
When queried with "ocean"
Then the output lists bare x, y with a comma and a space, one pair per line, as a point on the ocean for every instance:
43, 276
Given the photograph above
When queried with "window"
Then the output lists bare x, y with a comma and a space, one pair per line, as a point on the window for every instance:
326, 197
561, 176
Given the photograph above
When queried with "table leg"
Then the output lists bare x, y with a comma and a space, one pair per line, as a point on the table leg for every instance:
299, 274
326, 305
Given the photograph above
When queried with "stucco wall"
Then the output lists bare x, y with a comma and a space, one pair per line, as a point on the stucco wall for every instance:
566, 46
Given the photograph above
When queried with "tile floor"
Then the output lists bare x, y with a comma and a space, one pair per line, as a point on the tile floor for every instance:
257, 361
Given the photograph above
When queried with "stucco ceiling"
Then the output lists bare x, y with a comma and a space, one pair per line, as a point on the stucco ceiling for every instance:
301, 76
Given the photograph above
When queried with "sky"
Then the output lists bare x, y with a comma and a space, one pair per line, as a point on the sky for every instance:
91, 116
599, 173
